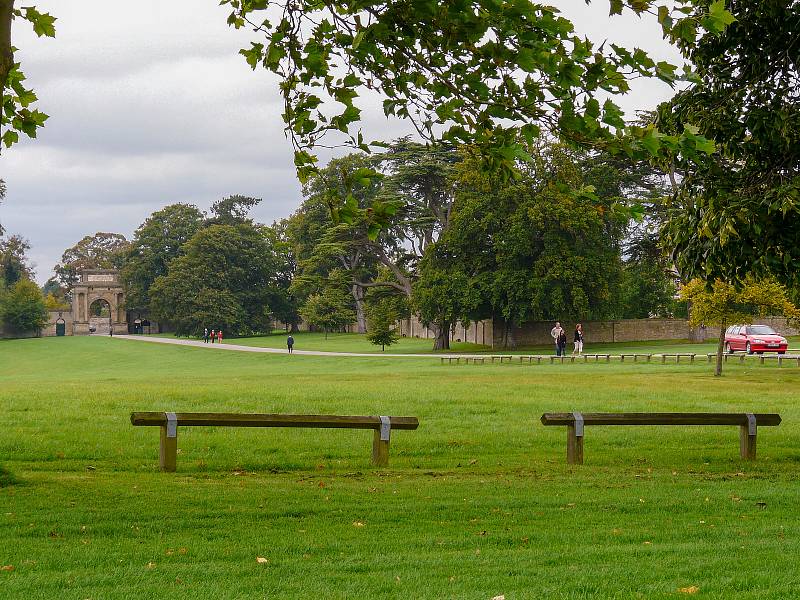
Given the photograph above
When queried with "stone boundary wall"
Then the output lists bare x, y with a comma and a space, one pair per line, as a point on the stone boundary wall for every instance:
49, 330
537, 333
477, 332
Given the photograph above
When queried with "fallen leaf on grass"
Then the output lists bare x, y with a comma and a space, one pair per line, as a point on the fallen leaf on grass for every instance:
261, 560
7, 568
689, 590
501, 597
151, 565
358, 524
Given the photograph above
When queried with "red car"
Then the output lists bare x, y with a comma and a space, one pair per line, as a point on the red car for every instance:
754, 338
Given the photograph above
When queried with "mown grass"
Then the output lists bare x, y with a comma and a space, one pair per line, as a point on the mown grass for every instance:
478, 502
353, 342
346, 342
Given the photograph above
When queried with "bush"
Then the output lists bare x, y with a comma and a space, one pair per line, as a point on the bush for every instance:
23, 307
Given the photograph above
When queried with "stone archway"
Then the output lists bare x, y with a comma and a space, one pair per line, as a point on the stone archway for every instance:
98, 288
100, 317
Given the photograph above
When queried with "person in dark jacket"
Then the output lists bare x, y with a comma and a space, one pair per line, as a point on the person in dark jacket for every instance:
290, 343
578, 339
561, 343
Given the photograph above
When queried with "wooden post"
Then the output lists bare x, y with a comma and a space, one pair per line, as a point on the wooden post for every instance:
380, 450
663, 359
574, 446
168, 451
747, 443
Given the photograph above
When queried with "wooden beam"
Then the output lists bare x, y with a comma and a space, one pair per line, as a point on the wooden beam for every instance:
272, 420
661, 419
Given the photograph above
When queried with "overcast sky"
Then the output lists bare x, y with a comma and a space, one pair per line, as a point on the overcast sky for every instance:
150, 104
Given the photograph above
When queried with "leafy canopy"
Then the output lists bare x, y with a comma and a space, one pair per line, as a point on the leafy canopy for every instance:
738, 210
17, 114
481, 72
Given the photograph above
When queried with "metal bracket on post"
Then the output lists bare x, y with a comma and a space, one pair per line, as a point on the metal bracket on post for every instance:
751, 423
172, 424
386, 428
578, 424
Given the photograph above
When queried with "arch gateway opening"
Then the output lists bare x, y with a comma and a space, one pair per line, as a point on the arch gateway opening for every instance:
98, 303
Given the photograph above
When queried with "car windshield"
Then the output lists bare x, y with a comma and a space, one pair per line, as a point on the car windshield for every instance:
760, 330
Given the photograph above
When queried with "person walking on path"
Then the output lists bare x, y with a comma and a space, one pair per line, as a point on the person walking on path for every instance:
290, 343
213, 334
205, 335
578, 340
219, 336
555, 332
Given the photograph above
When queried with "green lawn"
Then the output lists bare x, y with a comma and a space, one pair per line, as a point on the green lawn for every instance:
350, 342
353, 342
476, 503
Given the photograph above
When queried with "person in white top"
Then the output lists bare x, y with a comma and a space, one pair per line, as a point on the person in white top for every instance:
578, 338
555, 333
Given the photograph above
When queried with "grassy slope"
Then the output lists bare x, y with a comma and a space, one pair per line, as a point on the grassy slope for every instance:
475, 503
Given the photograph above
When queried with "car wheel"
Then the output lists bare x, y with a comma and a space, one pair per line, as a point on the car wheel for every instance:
784, 352
728, 348
748, 349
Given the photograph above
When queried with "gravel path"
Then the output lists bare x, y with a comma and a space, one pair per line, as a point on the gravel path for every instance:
238, 348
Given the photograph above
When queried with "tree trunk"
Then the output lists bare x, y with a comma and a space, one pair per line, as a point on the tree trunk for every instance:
361, 319
720, 348
509, 341
293, 328
442, 340
6, 54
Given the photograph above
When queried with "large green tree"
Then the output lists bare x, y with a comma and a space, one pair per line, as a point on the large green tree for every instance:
738, 211
99, 251
545, 247
330, 310
14, 264
324, 245
156, 243
222, 280
22, 308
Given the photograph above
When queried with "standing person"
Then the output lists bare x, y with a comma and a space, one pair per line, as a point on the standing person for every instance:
290, 343
555, 332
212, 336
561, 350
219, 336
578, 340
205, 335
